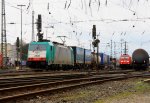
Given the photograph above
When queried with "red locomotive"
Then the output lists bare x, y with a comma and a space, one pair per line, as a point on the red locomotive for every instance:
125, 61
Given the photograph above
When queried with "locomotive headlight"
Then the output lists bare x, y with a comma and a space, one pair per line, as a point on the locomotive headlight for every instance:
144, 61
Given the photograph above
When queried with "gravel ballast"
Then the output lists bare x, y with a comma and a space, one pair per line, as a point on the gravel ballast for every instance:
125, 91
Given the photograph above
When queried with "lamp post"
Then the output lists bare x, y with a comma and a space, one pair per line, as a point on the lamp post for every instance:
21, 38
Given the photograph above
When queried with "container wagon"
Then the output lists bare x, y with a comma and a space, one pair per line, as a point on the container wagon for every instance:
105, 60
78, 57
87, 57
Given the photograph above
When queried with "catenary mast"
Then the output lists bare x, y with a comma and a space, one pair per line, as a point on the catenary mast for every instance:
3, 35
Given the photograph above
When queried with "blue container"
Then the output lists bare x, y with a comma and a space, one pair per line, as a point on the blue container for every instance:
23, 63
104, 59
78, 55
87, 56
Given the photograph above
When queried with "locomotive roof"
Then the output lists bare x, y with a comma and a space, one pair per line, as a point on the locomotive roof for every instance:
50, 43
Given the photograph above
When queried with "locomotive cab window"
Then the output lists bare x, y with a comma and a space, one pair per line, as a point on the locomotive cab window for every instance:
39, 47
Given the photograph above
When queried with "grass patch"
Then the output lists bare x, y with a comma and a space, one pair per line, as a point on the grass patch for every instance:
114, 97
140, 87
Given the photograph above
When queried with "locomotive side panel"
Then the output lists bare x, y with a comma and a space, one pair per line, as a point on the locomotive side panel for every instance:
62, 55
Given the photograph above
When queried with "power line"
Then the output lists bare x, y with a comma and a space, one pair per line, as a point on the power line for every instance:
10, 5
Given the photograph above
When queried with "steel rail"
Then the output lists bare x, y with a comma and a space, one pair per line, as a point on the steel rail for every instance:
32, 73
8, 98
31, 80
51, 90
58, 72
55, 83
20, 79
25, 81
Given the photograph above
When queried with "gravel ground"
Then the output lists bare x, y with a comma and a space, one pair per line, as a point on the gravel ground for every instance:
125, 91
135, 98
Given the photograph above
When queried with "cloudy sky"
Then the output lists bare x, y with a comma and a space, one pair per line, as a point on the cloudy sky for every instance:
116, 20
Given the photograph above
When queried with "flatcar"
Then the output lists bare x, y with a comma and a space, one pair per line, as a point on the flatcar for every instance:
140, 59
125, 61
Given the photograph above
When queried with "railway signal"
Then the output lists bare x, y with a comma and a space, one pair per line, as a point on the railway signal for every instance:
17, 42
39, 28
40, 36
94, 32
96, 41
39, 23
17, 48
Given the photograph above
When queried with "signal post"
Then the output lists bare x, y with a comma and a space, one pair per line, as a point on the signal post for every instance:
95, 42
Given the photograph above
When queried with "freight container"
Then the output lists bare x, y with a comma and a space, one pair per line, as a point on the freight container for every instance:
24, 63
78, 55
103, 59
87, 56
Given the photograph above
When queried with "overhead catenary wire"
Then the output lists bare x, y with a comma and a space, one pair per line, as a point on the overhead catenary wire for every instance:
99, 4
89, 20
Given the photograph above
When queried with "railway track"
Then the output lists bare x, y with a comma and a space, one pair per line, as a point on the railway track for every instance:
29, 73
13, 93
43, 78
9, 74
9, 82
